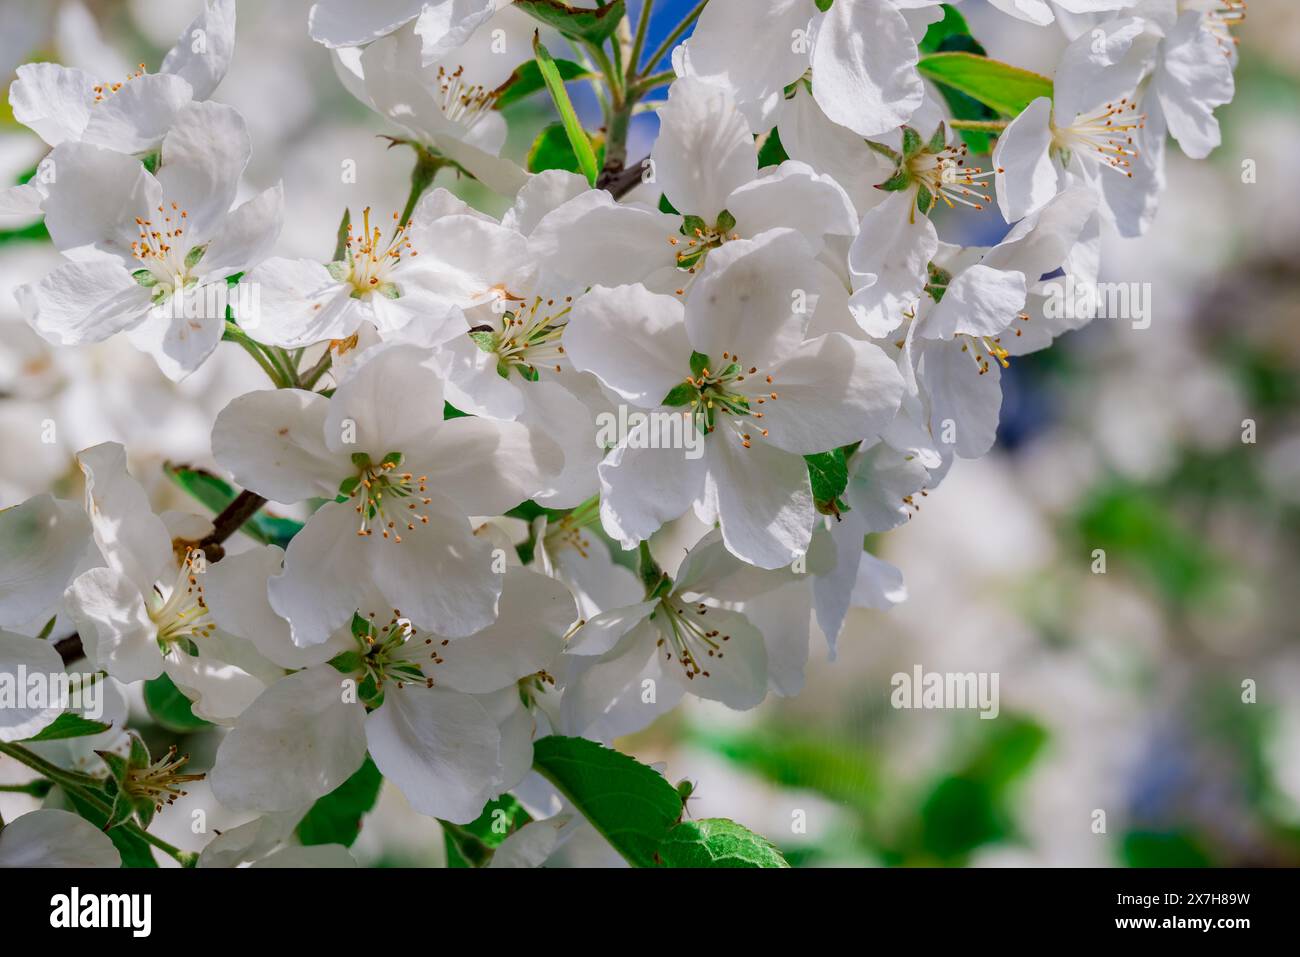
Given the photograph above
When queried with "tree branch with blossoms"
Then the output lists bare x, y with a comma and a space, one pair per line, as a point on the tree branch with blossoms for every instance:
536, 479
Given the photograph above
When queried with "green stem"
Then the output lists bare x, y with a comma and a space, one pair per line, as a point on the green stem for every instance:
82, 785
981, 126
612, 77
647, 84
37, 789
422, 174
312, 375
236, 335
670, 41
638, 43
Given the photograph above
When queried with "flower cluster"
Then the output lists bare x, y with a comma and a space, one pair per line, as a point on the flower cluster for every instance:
764, 306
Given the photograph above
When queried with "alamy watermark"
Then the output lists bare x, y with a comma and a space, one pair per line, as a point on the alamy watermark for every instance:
1082, 300
946, 690
42, 690
635, 429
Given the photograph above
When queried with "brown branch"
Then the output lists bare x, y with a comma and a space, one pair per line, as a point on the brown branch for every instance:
622, 180
231, 519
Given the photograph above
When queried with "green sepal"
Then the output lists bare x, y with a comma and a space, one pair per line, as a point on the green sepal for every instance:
888, 152
939, 141
392, 458
361, 627
694, 225
681, 394
911, 142
726, 222
699, 363
338, 270
924, 199
487, 341
194, 255
529, 372
899, 181
349, 485
144, 277
346, 662
361, 460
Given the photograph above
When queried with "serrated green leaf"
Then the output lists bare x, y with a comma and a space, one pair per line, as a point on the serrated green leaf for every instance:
631, 805
170, 708
69, 725
999, 86
593, 25
336, 818
527, 80
717, 842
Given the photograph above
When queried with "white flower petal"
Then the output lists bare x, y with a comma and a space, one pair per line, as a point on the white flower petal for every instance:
764, 500
631, 339
115, 627
133, 540
42, 541
704, 151
273, 442
54, 838
297, 742
864, 66
1028, 177
300, 303
831, 391
203, 51
21, 719
889, 261
528, 635
441, 748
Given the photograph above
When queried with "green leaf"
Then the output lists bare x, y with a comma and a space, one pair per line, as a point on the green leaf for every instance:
631, 805
134, 850
952, 25
500, 818
527, 80
772, 152
999, 86
824, 5
216, 494
168, 706
578, 138
336, 818
552, 150
593, 25
69, 725
717, 842
829, 474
